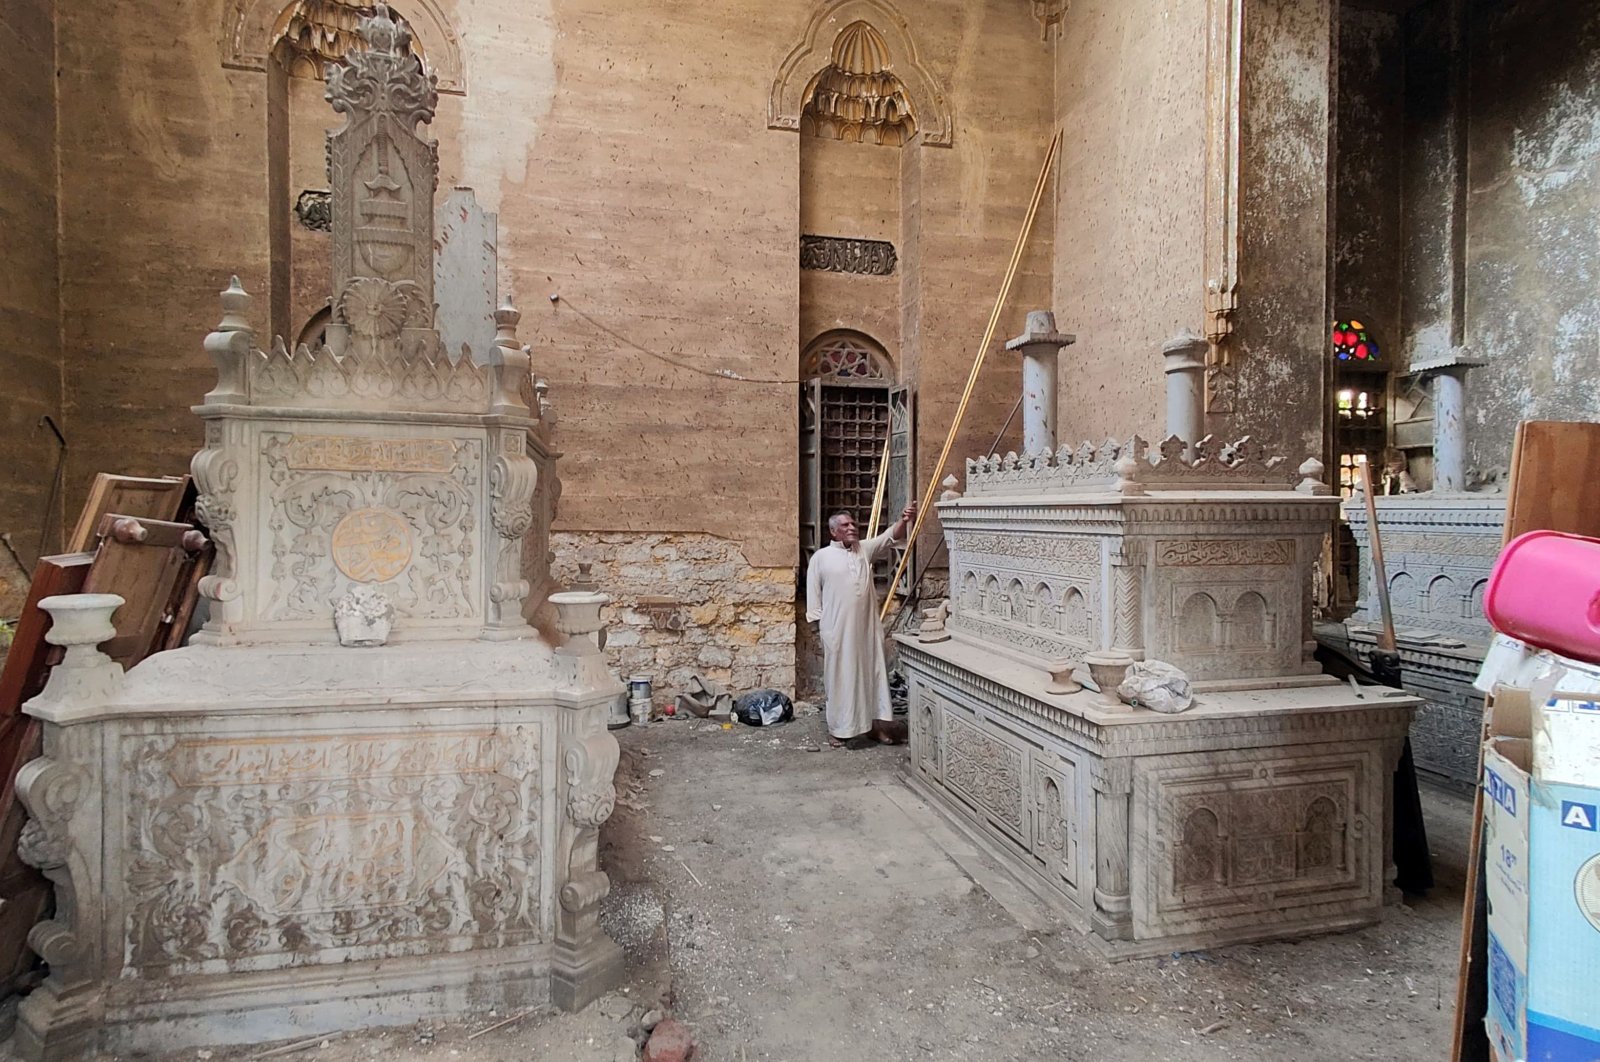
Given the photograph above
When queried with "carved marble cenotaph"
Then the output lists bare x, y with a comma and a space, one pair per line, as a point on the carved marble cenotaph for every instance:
1263, 810
368, 792
1439, 547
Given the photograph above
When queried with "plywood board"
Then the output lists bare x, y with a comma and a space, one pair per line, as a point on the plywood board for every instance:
157, 499
1554, 467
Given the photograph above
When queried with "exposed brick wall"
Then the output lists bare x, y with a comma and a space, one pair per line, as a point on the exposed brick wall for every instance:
683, 603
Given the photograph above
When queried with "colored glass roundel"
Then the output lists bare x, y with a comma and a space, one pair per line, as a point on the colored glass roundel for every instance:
1351, 342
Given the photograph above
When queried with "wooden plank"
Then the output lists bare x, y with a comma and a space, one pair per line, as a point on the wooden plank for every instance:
140, 561
157, 499
28, 660
185, 595
1554, 466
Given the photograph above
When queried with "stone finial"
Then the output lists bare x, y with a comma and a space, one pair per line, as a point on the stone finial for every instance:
229, 346
1311, 482
235, 305
1129, 463
950, 483
510, 363
1061, 681
579, 618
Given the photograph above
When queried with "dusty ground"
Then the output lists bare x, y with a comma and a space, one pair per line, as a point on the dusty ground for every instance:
793, 902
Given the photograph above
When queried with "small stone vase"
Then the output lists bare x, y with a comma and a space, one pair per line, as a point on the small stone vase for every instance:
578, 615
1108, 669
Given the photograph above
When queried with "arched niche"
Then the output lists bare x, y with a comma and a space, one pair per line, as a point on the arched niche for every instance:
814, 52
248, 34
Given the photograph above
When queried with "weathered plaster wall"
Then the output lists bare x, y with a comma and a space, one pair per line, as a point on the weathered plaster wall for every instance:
30, 347
1129, 205
628, 156
853, 191
1432, 183
1280, 338
1370, 150
1532, 280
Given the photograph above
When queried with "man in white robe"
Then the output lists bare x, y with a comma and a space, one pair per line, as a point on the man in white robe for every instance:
841, 599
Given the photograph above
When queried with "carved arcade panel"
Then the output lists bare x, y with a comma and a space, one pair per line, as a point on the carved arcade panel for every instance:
267, 851
1037, 593
1287, 832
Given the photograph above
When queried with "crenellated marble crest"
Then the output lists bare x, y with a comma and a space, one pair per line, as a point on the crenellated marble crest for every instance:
1198, 556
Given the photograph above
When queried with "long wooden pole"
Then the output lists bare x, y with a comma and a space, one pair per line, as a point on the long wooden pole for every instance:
977, 365
1380, 579
883, 482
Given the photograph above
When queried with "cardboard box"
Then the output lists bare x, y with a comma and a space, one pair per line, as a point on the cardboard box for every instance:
1542, 865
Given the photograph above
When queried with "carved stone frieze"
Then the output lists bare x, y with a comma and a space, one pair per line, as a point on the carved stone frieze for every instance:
1042, 644
838, 254
1129, 468
1202, 552
1262, 831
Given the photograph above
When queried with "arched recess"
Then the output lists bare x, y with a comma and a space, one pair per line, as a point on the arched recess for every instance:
250, 29
814, 52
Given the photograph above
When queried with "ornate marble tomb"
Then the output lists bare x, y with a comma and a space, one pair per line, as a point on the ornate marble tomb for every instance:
269, 833
1262, 811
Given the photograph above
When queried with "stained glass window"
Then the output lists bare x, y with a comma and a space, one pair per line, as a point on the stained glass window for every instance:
1352, 343
843, 356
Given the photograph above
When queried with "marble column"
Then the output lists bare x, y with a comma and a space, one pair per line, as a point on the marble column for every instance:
1111, 782
1185, 357
1040, 345
1449, 420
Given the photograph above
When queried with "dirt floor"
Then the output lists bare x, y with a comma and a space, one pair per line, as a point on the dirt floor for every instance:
794, 902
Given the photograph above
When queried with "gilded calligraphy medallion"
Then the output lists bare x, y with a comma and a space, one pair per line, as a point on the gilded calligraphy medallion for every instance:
372, 545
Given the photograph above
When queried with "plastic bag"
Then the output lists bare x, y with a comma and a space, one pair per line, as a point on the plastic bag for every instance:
1156, 685
763, 708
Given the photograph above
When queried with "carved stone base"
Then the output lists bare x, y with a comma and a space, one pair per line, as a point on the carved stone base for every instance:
581, 976
1256, 815
58, 1024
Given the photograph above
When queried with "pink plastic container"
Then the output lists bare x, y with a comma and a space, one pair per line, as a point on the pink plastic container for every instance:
1545, 590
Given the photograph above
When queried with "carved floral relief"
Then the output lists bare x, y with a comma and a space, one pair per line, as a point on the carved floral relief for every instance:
411, 531
372, 841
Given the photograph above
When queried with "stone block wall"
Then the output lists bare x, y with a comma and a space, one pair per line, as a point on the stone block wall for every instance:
687, 603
